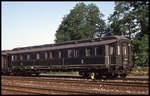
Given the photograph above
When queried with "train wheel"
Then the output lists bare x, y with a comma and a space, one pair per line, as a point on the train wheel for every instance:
85, 75
80, 73
114, 75
123, 75
109, 76
37, 74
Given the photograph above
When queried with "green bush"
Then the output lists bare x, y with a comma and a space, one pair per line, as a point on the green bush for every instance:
140, 49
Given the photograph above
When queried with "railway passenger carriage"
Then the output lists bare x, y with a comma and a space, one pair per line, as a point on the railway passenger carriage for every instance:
108, 56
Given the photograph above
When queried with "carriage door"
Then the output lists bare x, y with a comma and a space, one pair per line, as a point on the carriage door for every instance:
112, 51
125, 58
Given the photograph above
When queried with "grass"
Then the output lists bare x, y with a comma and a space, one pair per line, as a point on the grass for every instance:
140, 71
73, 73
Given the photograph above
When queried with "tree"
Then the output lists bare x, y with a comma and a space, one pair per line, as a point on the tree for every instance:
141, 13
141, 48
130, 18
83, 22
95, 21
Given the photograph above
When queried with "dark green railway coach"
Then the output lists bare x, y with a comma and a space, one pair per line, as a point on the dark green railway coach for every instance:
104, 57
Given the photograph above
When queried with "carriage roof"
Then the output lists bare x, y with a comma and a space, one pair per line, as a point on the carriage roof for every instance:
68, 44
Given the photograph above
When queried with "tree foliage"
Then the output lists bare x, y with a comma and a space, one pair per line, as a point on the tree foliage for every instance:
130, 18
141, 49
83, 22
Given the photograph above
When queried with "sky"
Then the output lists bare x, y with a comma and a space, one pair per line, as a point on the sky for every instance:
35, 23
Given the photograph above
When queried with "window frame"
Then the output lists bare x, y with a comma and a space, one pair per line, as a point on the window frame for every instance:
20, 57
46, 56
100, 50
12, 57
70, 53
28, 56
124, 48
37, 56
90, 51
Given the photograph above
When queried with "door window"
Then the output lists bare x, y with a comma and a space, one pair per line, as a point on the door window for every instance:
118, 50
37, 56
12, 58
111, 50
124, 50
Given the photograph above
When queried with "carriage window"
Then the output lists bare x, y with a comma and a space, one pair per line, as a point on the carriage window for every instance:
64, 53
15, 57
112, 50
12, 58
82, 52
54, 54
59, 54
24, 56
28, 57
89, 51
21, 57
37, 56
118, 50
50, 55
42, 55
124, 50
46, 55
70, 53
76, 51
33, 56
99, 50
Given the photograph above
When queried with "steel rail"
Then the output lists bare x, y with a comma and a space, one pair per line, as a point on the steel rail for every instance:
103, 82
36, 90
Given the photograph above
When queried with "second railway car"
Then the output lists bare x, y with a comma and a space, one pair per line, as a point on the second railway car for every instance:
105, 57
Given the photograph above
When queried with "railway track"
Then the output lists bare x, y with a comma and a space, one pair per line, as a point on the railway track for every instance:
13, 90
78, 86
124, 82
74, 79
36, 91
